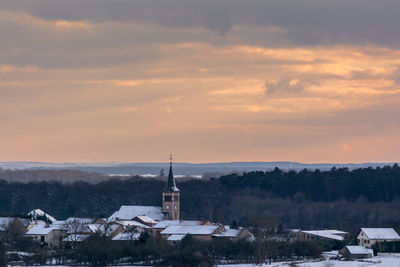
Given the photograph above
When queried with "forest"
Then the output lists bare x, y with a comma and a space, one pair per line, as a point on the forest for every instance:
338, 198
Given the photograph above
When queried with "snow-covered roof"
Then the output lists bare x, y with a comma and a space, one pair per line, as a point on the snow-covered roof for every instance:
40, 213
132, 223
5, 223
330, 234
130, 212
166, 223
146, 219
191, 230
75, 238
96, 228
381, 233
175, 237
126, 236
40, 229
229, 233
359, 250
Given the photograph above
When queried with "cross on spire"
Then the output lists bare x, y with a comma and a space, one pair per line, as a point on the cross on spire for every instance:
171, 186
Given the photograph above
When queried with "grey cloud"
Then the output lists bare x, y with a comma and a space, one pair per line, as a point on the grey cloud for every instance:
308, 22
368, 75
286, 86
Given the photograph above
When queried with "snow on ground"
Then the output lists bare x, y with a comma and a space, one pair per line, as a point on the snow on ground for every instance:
389, 261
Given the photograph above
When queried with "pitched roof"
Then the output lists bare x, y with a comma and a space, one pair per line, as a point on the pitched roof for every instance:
126, 236
130, 212
40, 229
146, 219
329, 234
229, 233
381, 233
359, 250
40, 213
191, 230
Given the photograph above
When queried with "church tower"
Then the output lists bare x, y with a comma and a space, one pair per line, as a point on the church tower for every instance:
171, 197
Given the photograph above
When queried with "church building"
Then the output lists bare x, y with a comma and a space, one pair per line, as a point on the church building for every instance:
171, 197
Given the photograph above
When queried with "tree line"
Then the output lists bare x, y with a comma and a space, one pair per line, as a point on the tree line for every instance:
338, 198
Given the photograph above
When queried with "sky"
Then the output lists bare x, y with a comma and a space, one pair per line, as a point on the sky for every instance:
209, 81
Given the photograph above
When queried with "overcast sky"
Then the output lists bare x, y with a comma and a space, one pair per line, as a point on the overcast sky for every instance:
228, 80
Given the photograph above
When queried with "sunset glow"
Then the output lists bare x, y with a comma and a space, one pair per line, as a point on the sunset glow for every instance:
87, 86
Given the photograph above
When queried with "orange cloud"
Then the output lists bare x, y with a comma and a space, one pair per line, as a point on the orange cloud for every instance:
128, 100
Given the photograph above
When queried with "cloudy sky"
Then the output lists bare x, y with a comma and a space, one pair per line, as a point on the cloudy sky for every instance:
221, 80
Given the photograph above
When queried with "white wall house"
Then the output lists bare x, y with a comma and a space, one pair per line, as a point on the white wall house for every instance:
45, 235
367, 237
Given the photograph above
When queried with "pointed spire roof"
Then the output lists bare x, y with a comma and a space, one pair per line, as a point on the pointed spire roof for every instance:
171, 185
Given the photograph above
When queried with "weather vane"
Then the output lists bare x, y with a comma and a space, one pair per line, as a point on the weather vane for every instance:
170, 158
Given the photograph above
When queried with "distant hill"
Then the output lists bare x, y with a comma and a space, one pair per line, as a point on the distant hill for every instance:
184, 169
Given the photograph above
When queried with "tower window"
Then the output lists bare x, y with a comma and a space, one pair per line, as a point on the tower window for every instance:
167, 207
176, 198
167, 198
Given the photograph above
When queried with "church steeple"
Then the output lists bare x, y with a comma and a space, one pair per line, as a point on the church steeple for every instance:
171, 185
171, 197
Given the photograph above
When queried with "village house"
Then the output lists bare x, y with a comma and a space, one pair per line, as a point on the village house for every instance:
133, 226
126, 237
368, 237
128, 213
199, 232
235, 234
146, 220
162, 225
356, 252
46, 235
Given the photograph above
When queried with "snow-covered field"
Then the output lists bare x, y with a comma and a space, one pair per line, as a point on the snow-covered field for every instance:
390, 261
